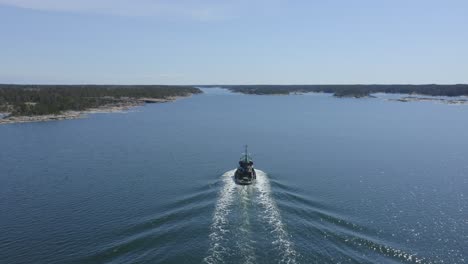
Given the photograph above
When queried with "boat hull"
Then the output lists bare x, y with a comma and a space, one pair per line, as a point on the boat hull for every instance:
245, 178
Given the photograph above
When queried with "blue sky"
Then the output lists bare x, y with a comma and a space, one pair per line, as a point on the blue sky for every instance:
233, 42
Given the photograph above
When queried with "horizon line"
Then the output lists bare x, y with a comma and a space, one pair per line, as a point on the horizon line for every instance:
251, 84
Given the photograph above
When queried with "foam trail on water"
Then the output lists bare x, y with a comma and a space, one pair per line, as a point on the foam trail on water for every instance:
272, 216
220, 225
244, 241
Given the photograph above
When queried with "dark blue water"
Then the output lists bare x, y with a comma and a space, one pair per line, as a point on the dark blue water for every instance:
340, 181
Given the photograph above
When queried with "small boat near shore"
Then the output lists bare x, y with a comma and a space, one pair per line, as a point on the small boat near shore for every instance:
245, 173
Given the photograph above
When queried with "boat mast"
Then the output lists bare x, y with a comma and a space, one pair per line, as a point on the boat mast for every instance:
246, 154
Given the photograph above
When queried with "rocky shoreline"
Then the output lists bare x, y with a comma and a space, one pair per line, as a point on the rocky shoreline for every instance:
429, 99
121, 106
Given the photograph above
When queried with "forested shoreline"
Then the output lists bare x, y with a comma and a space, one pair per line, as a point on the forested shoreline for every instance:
36, 100
354, 90
32, 100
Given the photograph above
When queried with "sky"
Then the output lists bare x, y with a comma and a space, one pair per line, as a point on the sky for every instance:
234, 42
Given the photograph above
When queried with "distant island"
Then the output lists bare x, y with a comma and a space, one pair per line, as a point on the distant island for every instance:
354, 91
28, 103
31, 103
430, 99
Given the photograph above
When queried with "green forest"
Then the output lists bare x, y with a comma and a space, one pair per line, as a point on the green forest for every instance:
21, 100
354, 90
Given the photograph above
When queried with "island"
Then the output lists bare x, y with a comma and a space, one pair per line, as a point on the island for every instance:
32, 103
430, 99
353, 91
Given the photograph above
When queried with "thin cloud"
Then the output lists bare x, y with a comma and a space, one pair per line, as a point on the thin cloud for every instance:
191, 9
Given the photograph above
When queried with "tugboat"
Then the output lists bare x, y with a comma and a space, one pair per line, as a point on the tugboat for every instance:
245, 173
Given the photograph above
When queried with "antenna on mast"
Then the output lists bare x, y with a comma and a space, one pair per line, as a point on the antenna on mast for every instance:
246, 153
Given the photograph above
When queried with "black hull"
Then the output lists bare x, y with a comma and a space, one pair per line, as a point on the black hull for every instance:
245, 178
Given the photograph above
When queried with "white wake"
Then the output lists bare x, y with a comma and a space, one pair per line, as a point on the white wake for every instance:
222, 232
220, 225
244, 231
272, 216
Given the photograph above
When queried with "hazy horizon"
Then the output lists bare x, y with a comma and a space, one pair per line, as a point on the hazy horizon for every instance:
230, 84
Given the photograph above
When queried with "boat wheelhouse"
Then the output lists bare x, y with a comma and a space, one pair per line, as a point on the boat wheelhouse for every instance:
245, 173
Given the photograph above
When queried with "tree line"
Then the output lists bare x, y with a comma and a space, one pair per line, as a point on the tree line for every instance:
354, 90
53, 99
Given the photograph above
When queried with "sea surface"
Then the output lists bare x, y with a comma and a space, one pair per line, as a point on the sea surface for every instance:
339, 181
